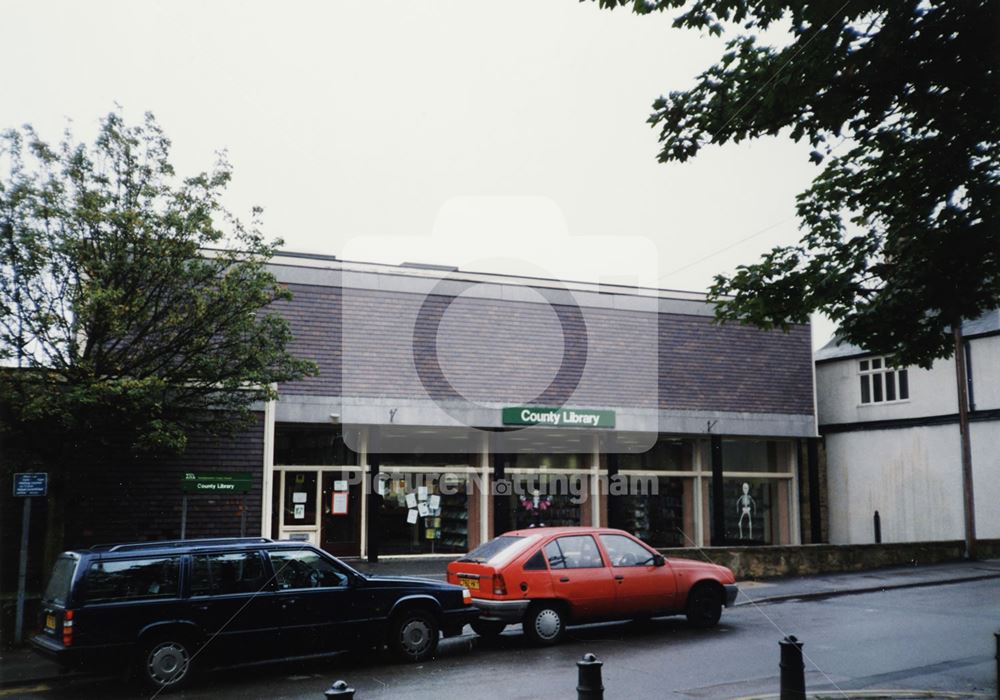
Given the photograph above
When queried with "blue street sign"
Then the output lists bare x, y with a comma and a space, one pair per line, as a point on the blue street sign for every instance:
31, 484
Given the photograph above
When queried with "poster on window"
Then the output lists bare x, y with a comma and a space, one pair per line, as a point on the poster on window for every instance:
339, 504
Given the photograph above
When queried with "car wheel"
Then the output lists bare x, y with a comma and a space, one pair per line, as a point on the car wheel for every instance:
488, 629
413, 635
166, 663
704, 606
545, 623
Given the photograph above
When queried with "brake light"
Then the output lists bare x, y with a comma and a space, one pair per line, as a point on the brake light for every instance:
499, 585
67, 628
467, 596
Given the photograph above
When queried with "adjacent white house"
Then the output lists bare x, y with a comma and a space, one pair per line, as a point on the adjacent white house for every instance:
892, 441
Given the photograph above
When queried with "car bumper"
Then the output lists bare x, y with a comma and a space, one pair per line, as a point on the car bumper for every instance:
508, 611
452, 621
732, 590
54, 651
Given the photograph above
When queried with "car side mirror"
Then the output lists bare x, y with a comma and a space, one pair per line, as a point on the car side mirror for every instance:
658, 560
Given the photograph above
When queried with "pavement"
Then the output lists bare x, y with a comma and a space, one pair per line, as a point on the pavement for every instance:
22, 667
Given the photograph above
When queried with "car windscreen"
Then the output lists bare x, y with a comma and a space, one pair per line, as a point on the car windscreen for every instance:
62, 578
486, 553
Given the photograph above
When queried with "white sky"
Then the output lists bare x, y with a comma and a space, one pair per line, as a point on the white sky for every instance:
504, 136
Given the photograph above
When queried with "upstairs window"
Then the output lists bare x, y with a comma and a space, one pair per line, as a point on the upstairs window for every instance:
882, 383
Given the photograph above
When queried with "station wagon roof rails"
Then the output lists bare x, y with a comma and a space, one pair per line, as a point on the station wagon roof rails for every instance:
166, 544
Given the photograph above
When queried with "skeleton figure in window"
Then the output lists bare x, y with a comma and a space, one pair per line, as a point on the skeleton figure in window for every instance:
745, 507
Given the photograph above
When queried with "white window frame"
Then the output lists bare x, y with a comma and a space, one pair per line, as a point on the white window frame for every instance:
883, 369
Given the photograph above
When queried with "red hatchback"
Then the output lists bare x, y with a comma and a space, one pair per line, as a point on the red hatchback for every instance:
547, 578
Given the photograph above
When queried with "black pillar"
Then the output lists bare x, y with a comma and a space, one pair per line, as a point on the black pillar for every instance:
614, 502
374, 504
718, 538
502, 488
812, 460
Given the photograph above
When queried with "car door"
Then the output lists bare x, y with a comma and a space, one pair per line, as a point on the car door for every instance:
580, 576
317, 602
232, 601
641, 587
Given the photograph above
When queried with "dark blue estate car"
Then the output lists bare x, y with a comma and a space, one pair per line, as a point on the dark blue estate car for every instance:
166, 608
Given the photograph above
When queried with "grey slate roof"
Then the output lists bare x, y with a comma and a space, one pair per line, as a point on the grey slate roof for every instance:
989, 322
377, 343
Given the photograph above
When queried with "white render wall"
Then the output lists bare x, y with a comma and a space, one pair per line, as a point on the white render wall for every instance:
912, 476
986, 372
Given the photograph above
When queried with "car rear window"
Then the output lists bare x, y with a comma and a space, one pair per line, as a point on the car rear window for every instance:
132, 579
59, 583
484, 553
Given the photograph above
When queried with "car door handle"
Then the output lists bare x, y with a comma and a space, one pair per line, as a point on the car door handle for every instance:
201, 608
564, 579
289, 602
619, 577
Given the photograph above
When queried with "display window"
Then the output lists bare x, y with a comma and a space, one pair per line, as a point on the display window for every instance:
424, 513
661, 519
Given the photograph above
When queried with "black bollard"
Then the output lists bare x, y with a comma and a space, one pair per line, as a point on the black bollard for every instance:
589, 685
340, 689
878, 528
793, 676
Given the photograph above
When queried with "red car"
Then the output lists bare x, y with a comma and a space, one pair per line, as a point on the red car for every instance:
547, 578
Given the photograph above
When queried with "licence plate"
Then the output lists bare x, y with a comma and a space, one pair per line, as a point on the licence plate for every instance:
471, 583
50, 622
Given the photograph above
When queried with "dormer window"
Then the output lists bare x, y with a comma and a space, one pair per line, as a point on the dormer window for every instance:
882, 383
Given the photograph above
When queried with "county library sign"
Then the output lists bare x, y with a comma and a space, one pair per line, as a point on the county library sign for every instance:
558, 417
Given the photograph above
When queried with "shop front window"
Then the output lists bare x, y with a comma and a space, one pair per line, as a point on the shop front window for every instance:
423, 513
546, 499
754, 456
756, 511
311, 444
668, 454
653, 502
300, 498
662, 516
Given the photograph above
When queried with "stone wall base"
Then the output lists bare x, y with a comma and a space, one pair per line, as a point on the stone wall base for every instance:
801, 560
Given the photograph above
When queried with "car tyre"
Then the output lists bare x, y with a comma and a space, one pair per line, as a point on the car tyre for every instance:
413, 635
704, 606
166, 663
488, 629
545, 623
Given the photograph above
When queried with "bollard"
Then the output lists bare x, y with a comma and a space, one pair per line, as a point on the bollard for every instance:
793, 678
588, 684
878, 528
340, 689
997, 636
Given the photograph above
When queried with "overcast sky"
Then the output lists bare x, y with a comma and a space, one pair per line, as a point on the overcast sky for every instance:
503, 136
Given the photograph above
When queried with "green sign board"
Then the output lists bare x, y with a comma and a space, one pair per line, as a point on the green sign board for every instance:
558, 417
215, 482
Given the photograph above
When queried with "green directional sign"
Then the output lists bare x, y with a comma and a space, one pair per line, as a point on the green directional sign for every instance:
558, 417
217, 482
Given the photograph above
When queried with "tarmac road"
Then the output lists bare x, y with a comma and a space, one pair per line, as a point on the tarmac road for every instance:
936, 638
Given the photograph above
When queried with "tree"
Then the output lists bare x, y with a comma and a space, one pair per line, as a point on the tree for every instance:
132, 316
899, 103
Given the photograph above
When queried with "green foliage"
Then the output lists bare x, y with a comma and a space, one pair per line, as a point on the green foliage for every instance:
900, 103
133, 315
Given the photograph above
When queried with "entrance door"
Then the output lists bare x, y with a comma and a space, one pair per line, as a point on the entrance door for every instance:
340, 525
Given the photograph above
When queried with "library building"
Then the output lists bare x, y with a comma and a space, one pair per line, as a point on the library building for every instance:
452, 406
